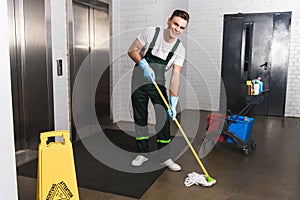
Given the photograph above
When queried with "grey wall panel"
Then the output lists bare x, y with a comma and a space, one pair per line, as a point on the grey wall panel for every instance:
36, 72
101, 52
31, 72
89, 56
280, 55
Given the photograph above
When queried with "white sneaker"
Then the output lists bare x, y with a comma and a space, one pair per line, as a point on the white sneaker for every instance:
139, 160
171, 165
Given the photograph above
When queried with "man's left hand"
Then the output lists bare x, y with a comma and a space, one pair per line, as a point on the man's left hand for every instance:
172, 111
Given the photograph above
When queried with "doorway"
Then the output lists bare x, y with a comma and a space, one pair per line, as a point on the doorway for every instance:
89, 45
256, 45
31, 72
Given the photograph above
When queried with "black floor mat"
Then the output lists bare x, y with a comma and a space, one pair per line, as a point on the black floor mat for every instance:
92, 174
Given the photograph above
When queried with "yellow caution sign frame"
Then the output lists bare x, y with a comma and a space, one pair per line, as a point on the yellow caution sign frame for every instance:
56, 176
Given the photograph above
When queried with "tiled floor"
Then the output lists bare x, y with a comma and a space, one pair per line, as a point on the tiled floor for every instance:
271, 171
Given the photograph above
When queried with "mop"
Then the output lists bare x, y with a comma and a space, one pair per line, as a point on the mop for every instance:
193, 178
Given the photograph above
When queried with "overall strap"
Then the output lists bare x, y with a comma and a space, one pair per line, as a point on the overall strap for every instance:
157, 29
171, 53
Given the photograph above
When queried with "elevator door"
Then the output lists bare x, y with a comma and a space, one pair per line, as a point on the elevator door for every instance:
256, 45
31, 72
90, 50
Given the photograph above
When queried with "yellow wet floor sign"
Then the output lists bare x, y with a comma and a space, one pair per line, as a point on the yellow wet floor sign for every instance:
56, 178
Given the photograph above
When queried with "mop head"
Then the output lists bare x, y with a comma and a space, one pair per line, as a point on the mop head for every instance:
198, 179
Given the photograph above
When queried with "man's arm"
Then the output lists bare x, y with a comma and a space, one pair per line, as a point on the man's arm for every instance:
174, 88
133, 51
175, 80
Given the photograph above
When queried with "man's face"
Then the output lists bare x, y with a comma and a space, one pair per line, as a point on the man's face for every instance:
176, 26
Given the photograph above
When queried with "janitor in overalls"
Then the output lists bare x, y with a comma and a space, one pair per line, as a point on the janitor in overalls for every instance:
155, 50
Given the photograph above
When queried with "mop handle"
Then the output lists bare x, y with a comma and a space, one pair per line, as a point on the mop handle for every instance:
182, 132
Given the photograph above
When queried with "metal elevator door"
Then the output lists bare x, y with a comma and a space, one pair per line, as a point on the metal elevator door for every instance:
90, 48
31, 71
256, 45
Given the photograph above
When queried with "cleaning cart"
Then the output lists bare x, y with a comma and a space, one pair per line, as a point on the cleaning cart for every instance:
235, 129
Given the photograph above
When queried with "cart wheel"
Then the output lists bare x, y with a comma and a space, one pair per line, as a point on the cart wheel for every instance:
253, 145
245, 152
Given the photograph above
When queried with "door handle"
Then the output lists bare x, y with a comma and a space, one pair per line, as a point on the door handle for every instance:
266, 65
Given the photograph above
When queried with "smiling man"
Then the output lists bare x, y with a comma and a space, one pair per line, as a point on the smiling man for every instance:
156, 50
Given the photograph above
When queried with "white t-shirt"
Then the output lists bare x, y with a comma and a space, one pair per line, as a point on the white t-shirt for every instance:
161, 48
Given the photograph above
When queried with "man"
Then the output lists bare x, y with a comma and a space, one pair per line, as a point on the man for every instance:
155, 50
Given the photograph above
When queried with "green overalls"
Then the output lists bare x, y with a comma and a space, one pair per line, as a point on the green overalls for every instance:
142, 90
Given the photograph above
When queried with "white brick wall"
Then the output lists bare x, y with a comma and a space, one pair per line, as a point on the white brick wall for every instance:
115, 70
60, 51
293, 86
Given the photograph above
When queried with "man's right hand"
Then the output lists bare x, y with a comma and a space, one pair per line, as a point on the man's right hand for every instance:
148, 71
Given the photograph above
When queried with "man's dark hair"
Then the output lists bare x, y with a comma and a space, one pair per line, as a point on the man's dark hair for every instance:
181, 13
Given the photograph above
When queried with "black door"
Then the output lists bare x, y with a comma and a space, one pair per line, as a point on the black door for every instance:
256, 45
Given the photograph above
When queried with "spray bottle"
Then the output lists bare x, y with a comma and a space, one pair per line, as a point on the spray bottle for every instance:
249, 87
258, 86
